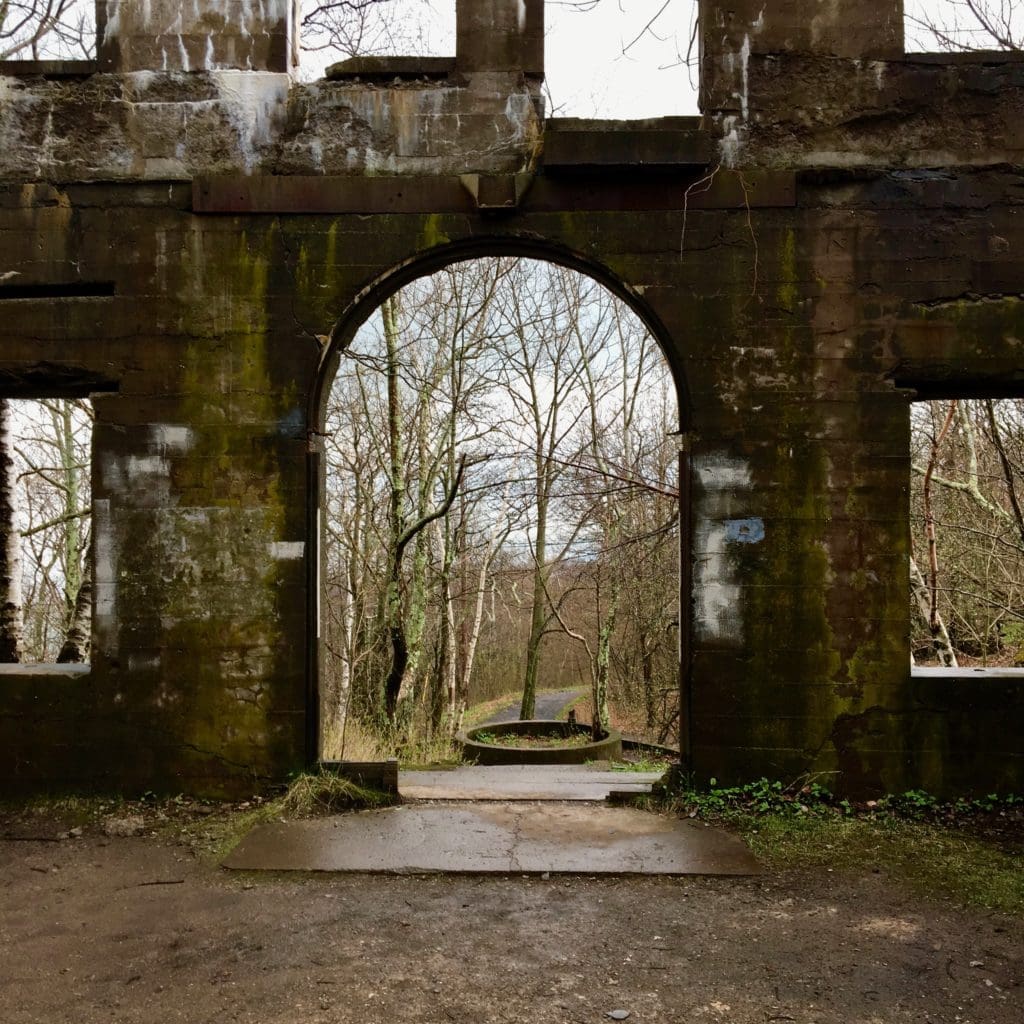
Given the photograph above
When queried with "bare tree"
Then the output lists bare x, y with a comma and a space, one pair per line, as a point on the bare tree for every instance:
46, 509
44, 29
11, 617
968, 459
961, 25
350, 28
472, 511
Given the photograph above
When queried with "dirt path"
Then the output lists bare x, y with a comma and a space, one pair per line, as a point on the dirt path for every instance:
137, 930
547, 706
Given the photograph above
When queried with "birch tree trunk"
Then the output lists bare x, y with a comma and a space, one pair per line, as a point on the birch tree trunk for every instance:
940, 637
11, 621
77, 639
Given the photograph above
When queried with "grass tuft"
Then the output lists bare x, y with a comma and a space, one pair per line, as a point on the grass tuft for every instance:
326, 792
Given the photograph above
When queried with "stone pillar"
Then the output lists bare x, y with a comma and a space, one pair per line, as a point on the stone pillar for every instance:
201, 35
732, 31
500, 35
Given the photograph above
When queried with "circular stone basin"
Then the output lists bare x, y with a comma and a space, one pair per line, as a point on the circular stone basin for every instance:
610, 748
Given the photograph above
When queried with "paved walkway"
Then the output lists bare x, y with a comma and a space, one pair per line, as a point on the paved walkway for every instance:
548, 706
495, 838
523, 782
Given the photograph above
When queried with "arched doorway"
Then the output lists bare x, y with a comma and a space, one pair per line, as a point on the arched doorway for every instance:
516, 456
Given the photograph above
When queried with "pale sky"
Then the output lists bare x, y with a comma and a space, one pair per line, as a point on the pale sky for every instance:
588, 75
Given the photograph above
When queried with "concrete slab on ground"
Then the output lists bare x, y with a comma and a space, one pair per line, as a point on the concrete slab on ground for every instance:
523, 782
495, 838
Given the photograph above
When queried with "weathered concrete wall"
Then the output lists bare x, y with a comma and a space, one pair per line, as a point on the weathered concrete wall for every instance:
200, 35
857, 235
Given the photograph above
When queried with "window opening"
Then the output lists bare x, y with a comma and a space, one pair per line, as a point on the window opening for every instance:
46, 510
332, 32
967, 533
501, 515
48, 30
628, 59
934, 26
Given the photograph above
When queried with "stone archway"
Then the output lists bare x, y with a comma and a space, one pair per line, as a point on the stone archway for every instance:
368, 301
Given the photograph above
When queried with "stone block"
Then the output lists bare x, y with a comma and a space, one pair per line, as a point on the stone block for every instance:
205, 35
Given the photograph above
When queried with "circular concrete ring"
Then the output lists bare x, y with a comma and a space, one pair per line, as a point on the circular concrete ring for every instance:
607, 749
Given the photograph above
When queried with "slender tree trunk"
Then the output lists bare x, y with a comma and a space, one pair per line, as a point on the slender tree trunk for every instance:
472, 639
394, 611
11, 620
601, 718
647, 675
76, 641
940, 637
929, 524
1008, 475
538, 611
73, 577
449, 642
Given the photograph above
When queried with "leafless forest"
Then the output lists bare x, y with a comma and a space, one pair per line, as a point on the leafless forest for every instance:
502, 511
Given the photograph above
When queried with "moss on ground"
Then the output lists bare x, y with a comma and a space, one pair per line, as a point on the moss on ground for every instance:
941, 861
967, 851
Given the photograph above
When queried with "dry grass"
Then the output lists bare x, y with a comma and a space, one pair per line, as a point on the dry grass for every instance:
328, 793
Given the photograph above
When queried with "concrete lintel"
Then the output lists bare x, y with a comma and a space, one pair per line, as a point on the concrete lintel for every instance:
386, 69
302, 194
270, 194
573, 144
48, 68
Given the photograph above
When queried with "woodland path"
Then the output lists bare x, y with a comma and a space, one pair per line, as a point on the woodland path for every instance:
548, 707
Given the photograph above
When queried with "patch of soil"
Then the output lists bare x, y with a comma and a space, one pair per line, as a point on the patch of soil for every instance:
132, 929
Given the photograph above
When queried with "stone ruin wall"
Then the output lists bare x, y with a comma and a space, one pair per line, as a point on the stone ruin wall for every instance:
188, 235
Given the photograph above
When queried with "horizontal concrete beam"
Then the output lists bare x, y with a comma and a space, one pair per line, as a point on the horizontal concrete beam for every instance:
576, 144
413, 195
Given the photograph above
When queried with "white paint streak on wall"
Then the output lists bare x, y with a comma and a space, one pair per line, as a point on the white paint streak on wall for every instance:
256, 101
113, 26
717, 593
285, 550
139, 467
111, 473
730, 144
171, 437
744, 96
105, 568
721, 473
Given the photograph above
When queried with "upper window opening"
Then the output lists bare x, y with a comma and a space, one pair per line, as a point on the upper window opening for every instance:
967, 533
45, 524
934, 26
48, 30
625, 59
332, 32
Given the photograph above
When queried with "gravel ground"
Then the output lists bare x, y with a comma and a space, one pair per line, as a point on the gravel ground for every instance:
121, 928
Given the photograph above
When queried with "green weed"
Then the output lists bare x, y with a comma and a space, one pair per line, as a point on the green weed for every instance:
954, 850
